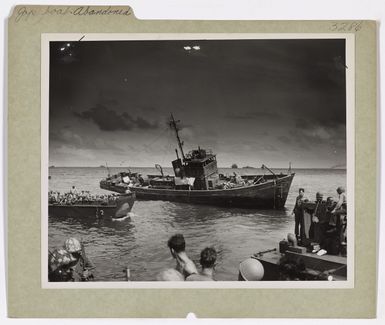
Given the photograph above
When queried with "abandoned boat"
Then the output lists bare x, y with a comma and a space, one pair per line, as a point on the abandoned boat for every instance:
197, 180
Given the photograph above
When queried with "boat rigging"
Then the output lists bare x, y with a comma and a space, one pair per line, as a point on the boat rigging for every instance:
197, 180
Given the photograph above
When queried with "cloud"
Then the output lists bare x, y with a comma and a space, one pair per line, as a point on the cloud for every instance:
65, 137
318, 132
309, 132
284, 139
268, 147
110, 120
322, 118
141, 123
339, 166
252, 115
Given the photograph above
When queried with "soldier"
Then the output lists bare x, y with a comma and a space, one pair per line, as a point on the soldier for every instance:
320, 221
340, 213
299, 228
70, 263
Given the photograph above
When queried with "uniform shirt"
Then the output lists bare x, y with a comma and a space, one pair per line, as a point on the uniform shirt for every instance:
298, 203
321, 212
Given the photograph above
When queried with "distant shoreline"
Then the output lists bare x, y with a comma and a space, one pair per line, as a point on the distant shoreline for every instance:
220, 167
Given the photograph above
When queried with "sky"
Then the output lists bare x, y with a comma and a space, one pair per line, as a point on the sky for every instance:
252, 102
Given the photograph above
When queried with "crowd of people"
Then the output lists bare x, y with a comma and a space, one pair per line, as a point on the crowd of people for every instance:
328, 223
70, 264
185, 269
73, 196
325, 224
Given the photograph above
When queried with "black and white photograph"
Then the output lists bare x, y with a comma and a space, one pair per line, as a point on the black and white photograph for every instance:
221, 159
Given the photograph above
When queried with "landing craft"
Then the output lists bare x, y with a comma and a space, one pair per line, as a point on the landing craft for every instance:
116, 209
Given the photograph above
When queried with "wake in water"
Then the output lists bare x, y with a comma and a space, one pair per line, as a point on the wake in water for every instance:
142, 240
128, 216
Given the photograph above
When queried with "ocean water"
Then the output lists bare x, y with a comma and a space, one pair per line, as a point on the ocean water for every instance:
140, 242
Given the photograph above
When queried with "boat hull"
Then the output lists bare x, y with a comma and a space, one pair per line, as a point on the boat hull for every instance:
122, 207
315, 265
269, 195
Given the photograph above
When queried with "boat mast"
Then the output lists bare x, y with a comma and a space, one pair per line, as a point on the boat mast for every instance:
175, 127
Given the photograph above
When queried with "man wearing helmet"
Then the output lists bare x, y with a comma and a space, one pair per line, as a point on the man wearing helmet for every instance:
69, 263
251, 270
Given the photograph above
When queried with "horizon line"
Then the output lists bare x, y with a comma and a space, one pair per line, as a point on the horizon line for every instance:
250, 167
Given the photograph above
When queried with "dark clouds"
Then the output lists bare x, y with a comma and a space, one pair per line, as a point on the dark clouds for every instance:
65, 137
284, 139
265, 101
309, 132
110, 120
253, 115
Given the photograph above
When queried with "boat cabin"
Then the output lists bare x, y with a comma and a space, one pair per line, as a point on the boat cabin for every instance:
200, 164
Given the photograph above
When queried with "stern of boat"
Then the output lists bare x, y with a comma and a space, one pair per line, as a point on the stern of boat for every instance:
282, 189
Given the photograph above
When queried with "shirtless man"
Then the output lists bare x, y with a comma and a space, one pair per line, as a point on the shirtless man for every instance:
207, 260
184, 265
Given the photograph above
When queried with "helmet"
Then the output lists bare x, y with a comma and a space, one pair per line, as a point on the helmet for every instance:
59, 258
251, 270
72, 245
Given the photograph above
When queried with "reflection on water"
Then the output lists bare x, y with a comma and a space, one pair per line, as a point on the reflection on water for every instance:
140, 241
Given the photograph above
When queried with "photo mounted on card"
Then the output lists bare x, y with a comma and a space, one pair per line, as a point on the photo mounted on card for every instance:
180, 157
198, 160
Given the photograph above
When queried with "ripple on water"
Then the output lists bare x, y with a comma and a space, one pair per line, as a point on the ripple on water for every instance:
140, 242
